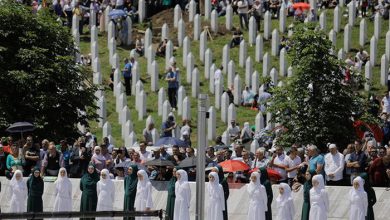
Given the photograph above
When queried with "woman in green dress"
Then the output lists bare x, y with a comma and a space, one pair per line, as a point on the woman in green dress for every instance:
35, 188
306, 194
264, 180
171, 195
130, 185
370, 196
88, 188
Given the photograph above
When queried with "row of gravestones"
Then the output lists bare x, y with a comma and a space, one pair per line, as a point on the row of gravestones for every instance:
192, 73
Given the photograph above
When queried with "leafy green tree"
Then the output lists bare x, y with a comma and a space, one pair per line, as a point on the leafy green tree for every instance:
39, 80
315, 106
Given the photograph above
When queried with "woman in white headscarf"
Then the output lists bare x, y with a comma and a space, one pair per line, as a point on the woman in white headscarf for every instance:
257, 198
106, 193
98, 159
319, 201
216, 196
18, 193
143, 198
63, 192
358, 200
183, 196
246, 135
285, 203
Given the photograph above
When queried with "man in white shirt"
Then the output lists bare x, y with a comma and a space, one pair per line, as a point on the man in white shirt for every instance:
233, 130
260, 160
143, 153
243, 13
334, 166
293, 165
279, 163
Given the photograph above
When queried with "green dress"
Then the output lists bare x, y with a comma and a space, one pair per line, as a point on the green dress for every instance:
264, 180
225, 186
171, 199
130, 191
89, 194
35, 188
306, 197
370, 196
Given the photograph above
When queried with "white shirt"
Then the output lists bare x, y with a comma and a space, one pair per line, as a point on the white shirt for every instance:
292, 163
145, 156
386, 104
233, 131
281, 160
334, 164
242, 7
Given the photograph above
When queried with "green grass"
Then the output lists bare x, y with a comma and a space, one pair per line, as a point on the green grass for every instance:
243, 114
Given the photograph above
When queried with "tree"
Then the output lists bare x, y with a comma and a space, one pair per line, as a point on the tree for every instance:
315, 106
39, 80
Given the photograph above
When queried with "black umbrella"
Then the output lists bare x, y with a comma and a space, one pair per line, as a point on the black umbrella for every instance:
20, 127
125, 164
159, 163
191, 162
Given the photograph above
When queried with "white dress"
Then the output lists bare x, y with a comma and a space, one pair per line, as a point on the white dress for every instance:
216, 196
319, 202
257, 199
183, 197
358, 201
63, 193
18, 194
105, 189
285, 204
143, 198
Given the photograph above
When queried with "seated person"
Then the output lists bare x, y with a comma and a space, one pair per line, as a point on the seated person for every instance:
237, 38
161, 48
362, 55
299, 15
247, 97
139, 46
274, 7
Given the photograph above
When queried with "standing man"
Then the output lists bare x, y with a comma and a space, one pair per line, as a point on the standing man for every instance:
293, 165
243, 13
357, 161
316, 160
127, 76
334, 166
278, 163
171, 78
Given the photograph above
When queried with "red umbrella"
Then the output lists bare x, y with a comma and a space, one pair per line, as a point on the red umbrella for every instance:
233, 166
272, 174
361, 127
301, 5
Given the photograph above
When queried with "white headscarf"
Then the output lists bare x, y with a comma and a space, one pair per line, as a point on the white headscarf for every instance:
183, 176
252, 186
107, 180
321, 184
145, 180
282, 198
14, 181
246, 128
100, 155
361, 184
213, 186
61, 180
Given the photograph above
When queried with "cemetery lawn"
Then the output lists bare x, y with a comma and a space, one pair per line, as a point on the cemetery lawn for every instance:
244, 114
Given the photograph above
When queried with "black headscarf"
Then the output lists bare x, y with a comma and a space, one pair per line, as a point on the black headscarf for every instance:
35, 184
91, 177
221, 176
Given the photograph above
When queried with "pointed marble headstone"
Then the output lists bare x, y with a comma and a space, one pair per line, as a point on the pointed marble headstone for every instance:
255, 82
275, 43
237, 90
165, 32
224, 107
351, 13
161, 99
282, 18
176, 15
252, 31
208, 61
267, 25
231, 73
323, 21
191, 10
186, 108
384, 70
212, 70
195, 83
347, 38
259, 48
141, 10
363, 32
181, 93
181, 32
259, 122
377, 25
214, 21
225, 57
102, 111
229, 17
107, 129
142, 107
368, 76
243, 53
166, 110
336, 19
186, 49
202, 45
373, 50
266, 64
154, 77
248, 71
197, 27
190, 66
207, 10
232, 115
211, 124
283, 62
